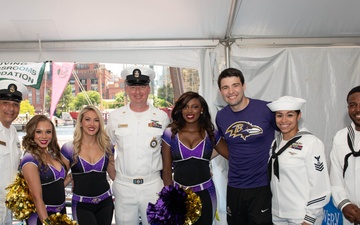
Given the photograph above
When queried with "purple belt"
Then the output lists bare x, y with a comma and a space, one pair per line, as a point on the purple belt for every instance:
50, 208
55, 208
198, 187
92, 200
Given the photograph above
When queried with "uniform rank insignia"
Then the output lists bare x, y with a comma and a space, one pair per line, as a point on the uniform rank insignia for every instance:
3, 143
153, 142
319, 166
122, 125
154, 124
297, 146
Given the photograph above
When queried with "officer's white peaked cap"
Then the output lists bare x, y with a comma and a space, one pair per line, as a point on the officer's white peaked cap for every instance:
137, 75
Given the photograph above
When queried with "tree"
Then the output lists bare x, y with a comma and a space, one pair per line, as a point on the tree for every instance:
26, 107
80, 99
159, 102
65, 102
166, 92
119, 100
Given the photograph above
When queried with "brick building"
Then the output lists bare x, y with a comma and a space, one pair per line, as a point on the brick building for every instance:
92, 76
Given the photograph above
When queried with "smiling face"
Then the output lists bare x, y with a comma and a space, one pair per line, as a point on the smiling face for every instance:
192, 111
232, 91
9, 110
90, 123
43, 134
354, 109
287, 121
138, 94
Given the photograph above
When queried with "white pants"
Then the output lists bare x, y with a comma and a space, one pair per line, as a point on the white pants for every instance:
286, 221
132, 200
5, 216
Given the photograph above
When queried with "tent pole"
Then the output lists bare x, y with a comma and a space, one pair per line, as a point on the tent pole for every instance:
227, 48
227, 54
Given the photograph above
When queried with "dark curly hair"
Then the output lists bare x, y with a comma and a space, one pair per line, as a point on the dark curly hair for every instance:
29, 145
178, 122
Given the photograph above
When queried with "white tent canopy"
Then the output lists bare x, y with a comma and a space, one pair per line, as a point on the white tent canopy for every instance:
308, 49
104, 31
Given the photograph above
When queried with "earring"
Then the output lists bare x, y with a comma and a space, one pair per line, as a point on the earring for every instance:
201, 112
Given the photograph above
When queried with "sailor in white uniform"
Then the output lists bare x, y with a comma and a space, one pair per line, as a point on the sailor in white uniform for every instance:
299, 176
11, 94
345, 163
136, 131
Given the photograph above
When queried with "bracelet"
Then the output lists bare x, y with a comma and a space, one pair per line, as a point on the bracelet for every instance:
46, 221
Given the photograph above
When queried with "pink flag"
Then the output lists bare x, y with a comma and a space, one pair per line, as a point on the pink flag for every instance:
61, 73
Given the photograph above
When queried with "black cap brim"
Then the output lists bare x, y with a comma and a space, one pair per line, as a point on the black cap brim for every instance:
10, 97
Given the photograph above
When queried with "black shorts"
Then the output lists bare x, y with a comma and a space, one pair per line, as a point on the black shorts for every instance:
251, 206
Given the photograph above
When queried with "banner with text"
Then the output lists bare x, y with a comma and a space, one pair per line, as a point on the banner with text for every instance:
28, 73
61, 73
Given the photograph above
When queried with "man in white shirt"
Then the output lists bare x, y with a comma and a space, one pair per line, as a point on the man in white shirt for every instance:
345, 163
11, 94
136, 131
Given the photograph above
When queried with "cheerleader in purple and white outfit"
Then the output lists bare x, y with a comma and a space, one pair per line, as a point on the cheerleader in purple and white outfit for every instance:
188, 146
43, 169
90, 157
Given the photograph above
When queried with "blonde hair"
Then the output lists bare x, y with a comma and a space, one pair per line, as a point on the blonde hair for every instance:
102, 138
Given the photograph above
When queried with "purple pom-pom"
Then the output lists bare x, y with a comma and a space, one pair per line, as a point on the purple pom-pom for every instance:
170, 208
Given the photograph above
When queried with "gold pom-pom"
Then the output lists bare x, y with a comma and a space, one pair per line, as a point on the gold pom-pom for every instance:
61, 219
18, 199
193, 205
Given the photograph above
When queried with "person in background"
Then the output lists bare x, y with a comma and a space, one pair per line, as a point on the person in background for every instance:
248, 127
298, 172
136, 130
188, 145
11, 94
91, 157
43, 169
345, 163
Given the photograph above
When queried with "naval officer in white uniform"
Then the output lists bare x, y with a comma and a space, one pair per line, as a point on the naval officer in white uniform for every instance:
136, 131
11, 94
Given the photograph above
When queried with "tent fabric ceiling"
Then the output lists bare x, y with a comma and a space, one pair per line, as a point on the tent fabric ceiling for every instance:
113, 20
30, 25
281, 18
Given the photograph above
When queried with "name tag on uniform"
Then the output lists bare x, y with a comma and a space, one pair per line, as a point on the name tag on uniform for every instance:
122, 125
3, 143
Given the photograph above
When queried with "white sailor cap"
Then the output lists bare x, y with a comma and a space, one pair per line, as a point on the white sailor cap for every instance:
286, 103
12, 90
137, 76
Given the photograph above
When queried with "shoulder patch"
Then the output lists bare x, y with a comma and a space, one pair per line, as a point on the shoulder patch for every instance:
319, 165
